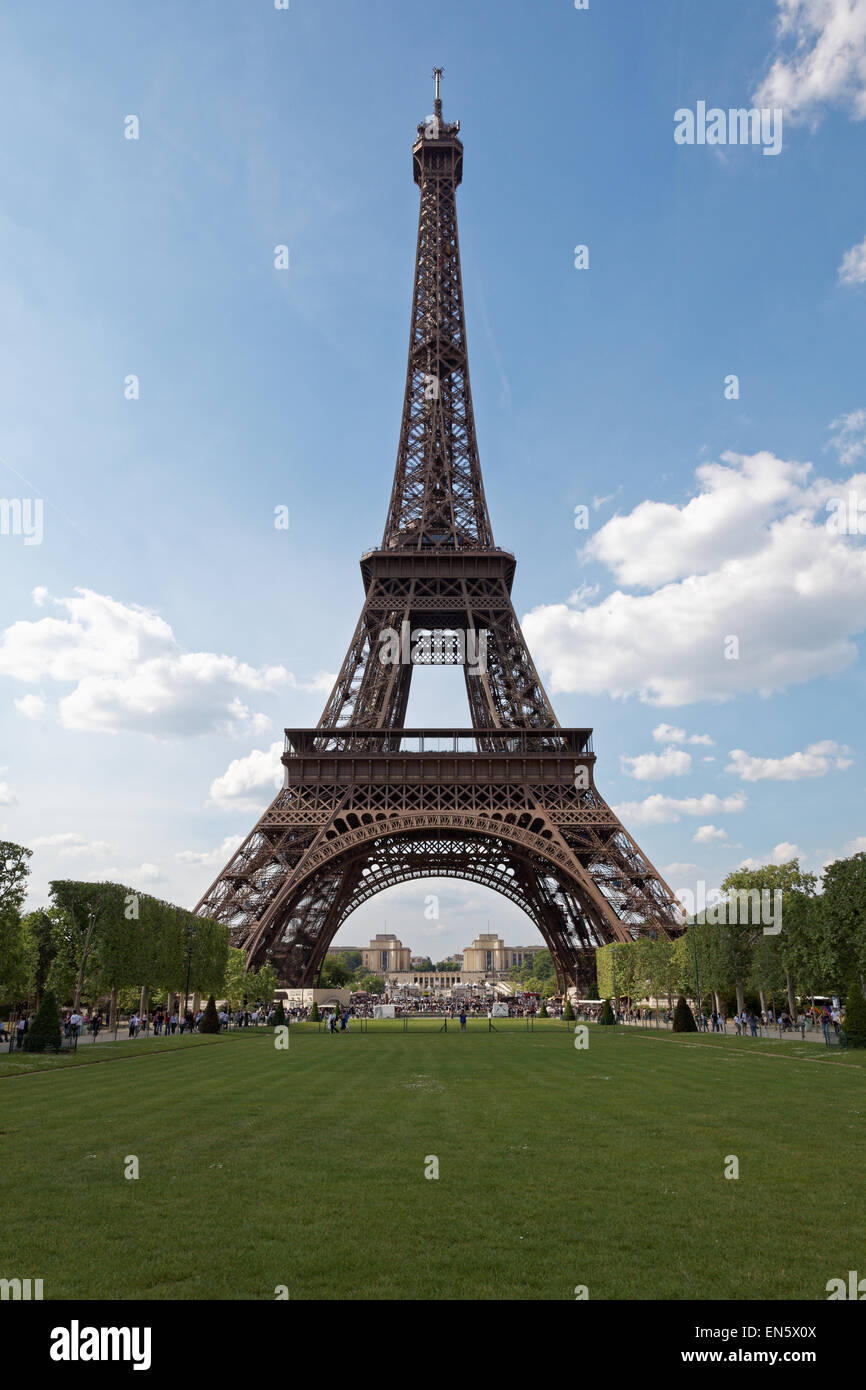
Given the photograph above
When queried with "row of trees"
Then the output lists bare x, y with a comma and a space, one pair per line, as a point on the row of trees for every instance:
345, 970
105, 940
537, 976
820, 950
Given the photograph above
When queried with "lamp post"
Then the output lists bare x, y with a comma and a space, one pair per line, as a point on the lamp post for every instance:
697, 977
188, 970
615, 996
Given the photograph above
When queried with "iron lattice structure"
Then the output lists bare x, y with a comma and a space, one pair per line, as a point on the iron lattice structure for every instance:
511, 802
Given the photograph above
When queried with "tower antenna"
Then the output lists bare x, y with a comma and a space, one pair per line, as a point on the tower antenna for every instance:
437, 103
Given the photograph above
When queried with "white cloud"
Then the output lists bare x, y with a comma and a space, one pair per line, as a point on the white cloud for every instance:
766, 569
129, 673
214, 857
706, 834
260, 771
782, 854
664, 810
857, 846
678, 870
849, 441
669, 733
660, 541
7, 796
852, 267
826, 62
673, 762
815, 761
144, 873
31, 706
70, 845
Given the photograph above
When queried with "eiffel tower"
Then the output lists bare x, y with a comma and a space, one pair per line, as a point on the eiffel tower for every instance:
509, 803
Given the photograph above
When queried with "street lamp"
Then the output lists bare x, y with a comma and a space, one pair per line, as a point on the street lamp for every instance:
190, 933
615, 995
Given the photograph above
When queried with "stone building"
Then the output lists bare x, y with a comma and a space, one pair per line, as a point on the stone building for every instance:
488, 955
386, 956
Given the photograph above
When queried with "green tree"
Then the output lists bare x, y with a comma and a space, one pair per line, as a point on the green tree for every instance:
333, 974
40, 948
607, 1015
844, 919
314, 1013
279, 1015
14, 871
373, 984
44, 1033
568, 1012
83, 909
604, 971
266, 982
854, 1020
744, 891
235, 984
664, 971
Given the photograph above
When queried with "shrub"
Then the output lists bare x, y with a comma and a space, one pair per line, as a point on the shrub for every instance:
44, 1033
568, 1012
314, 1014
684, 1019
210, 1019
855, 1016
279, 1015
607, 1015
542, 1012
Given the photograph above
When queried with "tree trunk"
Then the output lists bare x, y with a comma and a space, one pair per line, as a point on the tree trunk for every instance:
741, 997
196, 1003
144, 1003
792, 999
763, 1001
112, 1010
717, 1001
79, 985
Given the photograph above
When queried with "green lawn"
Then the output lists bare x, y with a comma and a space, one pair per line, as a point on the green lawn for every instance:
557, 1167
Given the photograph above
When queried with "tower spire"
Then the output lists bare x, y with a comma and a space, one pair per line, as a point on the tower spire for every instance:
437, 102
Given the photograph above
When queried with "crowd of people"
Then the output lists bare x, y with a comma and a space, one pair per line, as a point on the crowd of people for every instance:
167, 1020
745, 1023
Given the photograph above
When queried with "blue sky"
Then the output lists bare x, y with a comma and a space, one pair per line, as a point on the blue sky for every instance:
163, 632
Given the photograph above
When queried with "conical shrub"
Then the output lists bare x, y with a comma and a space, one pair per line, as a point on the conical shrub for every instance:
684, 1019
210, 1019
279, 1015
568, 1012
607, 1016
314, 1013
44, 1033
854, 1021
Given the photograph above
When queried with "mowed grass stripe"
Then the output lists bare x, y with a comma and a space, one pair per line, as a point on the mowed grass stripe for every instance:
557, 1167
